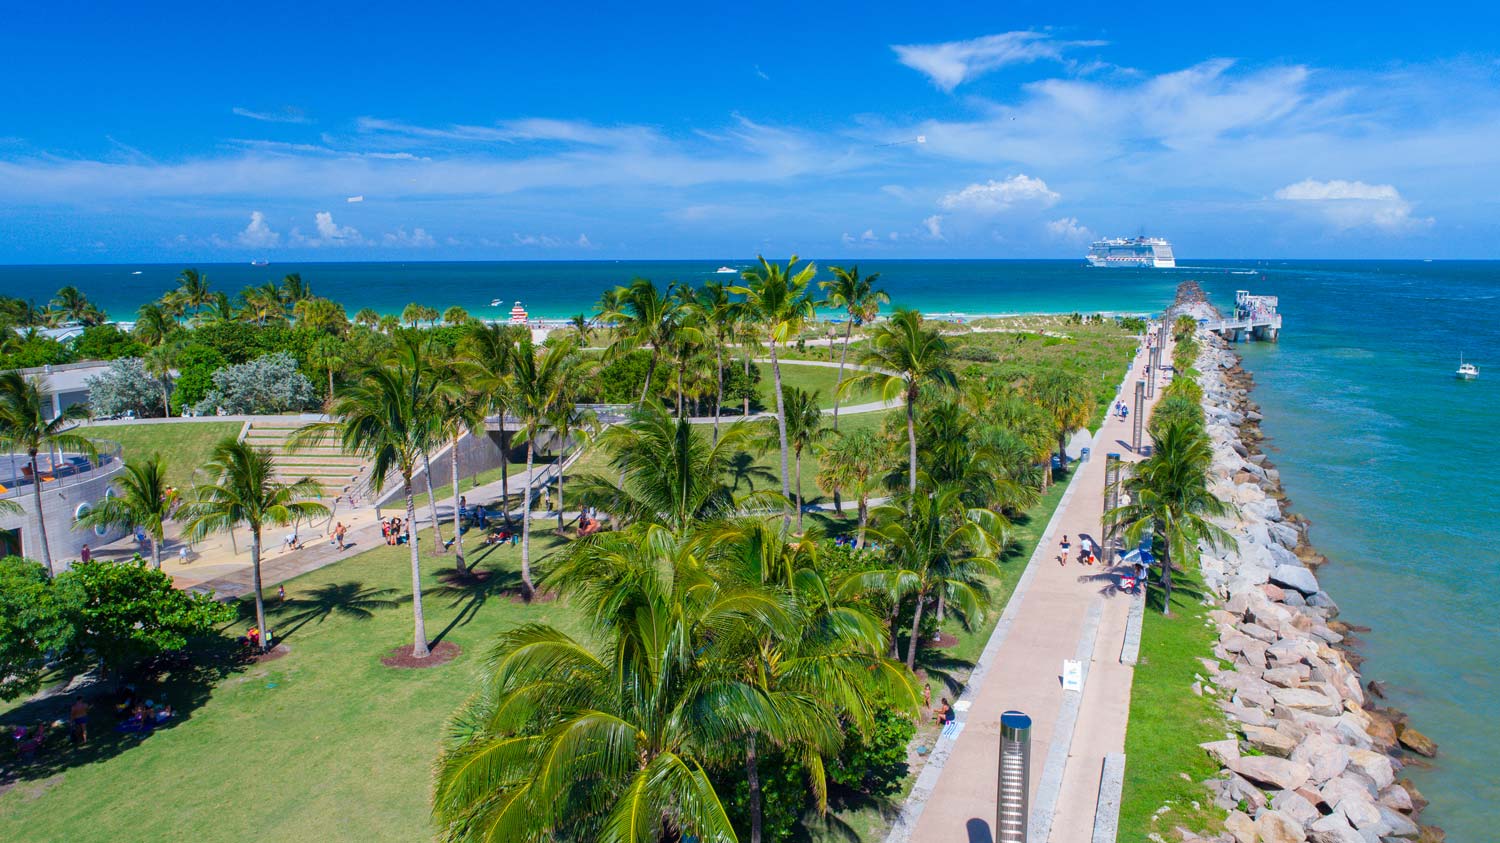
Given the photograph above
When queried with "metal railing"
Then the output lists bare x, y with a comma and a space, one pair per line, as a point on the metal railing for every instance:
57, 470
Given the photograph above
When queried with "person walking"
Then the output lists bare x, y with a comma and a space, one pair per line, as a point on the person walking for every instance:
78, 715
84, 555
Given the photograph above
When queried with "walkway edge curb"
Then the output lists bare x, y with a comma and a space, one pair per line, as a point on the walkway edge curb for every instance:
1049, 789
906, 820
1130, 650
1111, 786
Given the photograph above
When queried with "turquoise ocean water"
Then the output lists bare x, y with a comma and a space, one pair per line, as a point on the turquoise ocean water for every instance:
1378, 444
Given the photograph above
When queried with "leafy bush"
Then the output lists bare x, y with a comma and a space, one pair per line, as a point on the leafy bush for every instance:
121, 613
875, 763
106, 342
196, 365
620, 380
783, 796
33, 625
36, 350
125, 387
1133, 324
737, 386
269, 384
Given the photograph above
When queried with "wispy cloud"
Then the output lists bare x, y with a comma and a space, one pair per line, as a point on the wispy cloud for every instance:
328, 234
402, 239
285, 115
952, 63
1068, 230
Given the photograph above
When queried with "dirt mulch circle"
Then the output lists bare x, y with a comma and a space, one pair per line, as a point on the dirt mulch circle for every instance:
942, 640
470, 577
438, 656
271, 655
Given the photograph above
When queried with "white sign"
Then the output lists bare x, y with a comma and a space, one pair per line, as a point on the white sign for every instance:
1072, 675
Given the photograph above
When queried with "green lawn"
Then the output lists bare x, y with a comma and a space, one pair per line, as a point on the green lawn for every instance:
819, 379
324, 744
1167, 721
184, 444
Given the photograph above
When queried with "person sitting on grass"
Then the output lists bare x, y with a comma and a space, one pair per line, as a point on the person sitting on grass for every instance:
944, 714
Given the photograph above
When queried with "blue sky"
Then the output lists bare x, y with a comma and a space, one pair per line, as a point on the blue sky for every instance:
381, 131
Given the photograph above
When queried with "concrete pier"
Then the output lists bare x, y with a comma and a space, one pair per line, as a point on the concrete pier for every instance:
1255, 318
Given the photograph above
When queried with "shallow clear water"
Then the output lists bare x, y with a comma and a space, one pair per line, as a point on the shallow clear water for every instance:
1378, 444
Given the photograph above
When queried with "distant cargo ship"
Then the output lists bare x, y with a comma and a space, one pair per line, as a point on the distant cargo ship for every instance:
1149, 252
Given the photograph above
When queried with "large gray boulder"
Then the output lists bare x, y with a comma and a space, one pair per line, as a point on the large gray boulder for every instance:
1295, 576
1272, 772
1276, 827
1307, 700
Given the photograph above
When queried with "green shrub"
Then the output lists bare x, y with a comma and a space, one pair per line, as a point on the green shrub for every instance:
875, 763
195, 369
106, 342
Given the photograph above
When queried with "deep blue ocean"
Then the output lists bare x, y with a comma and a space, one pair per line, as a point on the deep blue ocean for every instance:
1386, 452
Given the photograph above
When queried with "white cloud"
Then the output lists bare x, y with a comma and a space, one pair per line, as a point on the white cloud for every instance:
1355, 204
934, 226
583, 242
329, 233
848, 239
1068, 230
258, 235
417, 238
994, 195
870, 236
761, 73
286, 115
951, 64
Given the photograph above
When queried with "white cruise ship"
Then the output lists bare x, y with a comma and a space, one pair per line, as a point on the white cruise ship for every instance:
1149, 252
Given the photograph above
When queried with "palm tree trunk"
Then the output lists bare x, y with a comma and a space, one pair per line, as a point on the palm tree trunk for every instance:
526, 587
166, 401
504, 472
680, 366
562, 457
650, 369
848, 330
458, 541
799, 490
41, 522
719, 395
864, 518
1166, 580
419, 621
786, 489
752, 776
1062, 444
746, 410
330, 386
942, 604
916, 623
890, 623
437, 526
260, 600
911, 438
155, 553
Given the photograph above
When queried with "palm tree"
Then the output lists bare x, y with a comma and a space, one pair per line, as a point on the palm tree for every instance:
486, 353
71, 305
567, 421
143, 498
779, 300
668, 475
1068, 402
192, 291
390, 416
294, 289
616, 751
218, 309
461, 410
827, 676
367, 317
643, 316
244, 491
540, 381
858, 298
583, 325
901, 356
263, 304
720, 312
854, 462
455, 315
804, 429
327, 353
938, 548
25, 429
152, 325
1169, 496
319, 314
160, 362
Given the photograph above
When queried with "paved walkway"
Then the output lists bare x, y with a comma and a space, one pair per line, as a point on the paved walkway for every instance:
1049, 615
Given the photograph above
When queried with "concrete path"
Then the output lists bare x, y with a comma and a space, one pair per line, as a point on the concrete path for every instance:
1047, 627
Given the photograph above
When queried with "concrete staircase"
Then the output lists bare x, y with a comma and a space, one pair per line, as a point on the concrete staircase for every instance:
335, 472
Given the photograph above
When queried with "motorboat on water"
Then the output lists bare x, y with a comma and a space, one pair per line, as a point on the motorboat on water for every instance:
494, 302
1466, 371
260, 262
725, 270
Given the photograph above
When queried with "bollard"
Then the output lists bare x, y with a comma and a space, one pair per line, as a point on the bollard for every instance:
1013, 807
1111, 501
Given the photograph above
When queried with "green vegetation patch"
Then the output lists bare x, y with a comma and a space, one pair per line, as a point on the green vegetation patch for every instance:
184, 445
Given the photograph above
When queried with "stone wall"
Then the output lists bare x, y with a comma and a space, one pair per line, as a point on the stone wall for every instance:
59, 509
1312, 757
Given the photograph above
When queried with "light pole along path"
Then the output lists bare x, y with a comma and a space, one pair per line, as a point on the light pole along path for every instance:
1047, 616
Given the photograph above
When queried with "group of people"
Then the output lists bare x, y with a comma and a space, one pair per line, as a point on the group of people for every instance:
391, 529
1120, 410
1087, 551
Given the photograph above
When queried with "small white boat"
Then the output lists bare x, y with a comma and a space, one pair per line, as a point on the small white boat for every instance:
725, 270
137, 272
1466, 371
260, 262
494, 302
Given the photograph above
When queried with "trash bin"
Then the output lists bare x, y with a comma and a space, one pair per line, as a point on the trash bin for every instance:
1083, 455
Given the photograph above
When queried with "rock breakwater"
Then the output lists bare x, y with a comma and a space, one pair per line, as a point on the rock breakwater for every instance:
1312, 757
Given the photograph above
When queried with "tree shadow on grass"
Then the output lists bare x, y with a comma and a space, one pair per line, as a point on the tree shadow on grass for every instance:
841, 801
471, 594
183, 680
951, 671
352, 600
1184, 589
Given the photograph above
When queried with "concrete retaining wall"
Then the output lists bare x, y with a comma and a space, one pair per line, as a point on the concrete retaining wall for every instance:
59, 509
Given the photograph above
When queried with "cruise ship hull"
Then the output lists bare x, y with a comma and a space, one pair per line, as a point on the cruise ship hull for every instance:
1136, 252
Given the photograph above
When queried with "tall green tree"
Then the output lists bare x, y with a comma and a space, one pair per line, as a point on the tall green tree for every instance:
643, 317
1169, 497
244, 490
720, 313
1068, 402
390, 416
804, 430
461, 413
71, 305
902, 356
540, 380
860, 299
152, 325
853, 462
25, 429
485, 354
192, 292
34, 625
778, 299
142, 498
938, 549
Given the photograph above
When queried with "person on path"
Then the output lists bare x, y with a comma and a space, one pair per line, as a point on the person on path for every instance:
85, 554
1065, 546
927, 695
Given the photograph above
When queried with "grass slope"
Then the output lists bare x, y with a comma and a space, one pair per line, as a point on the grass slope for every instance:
1163, 763
184, 444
